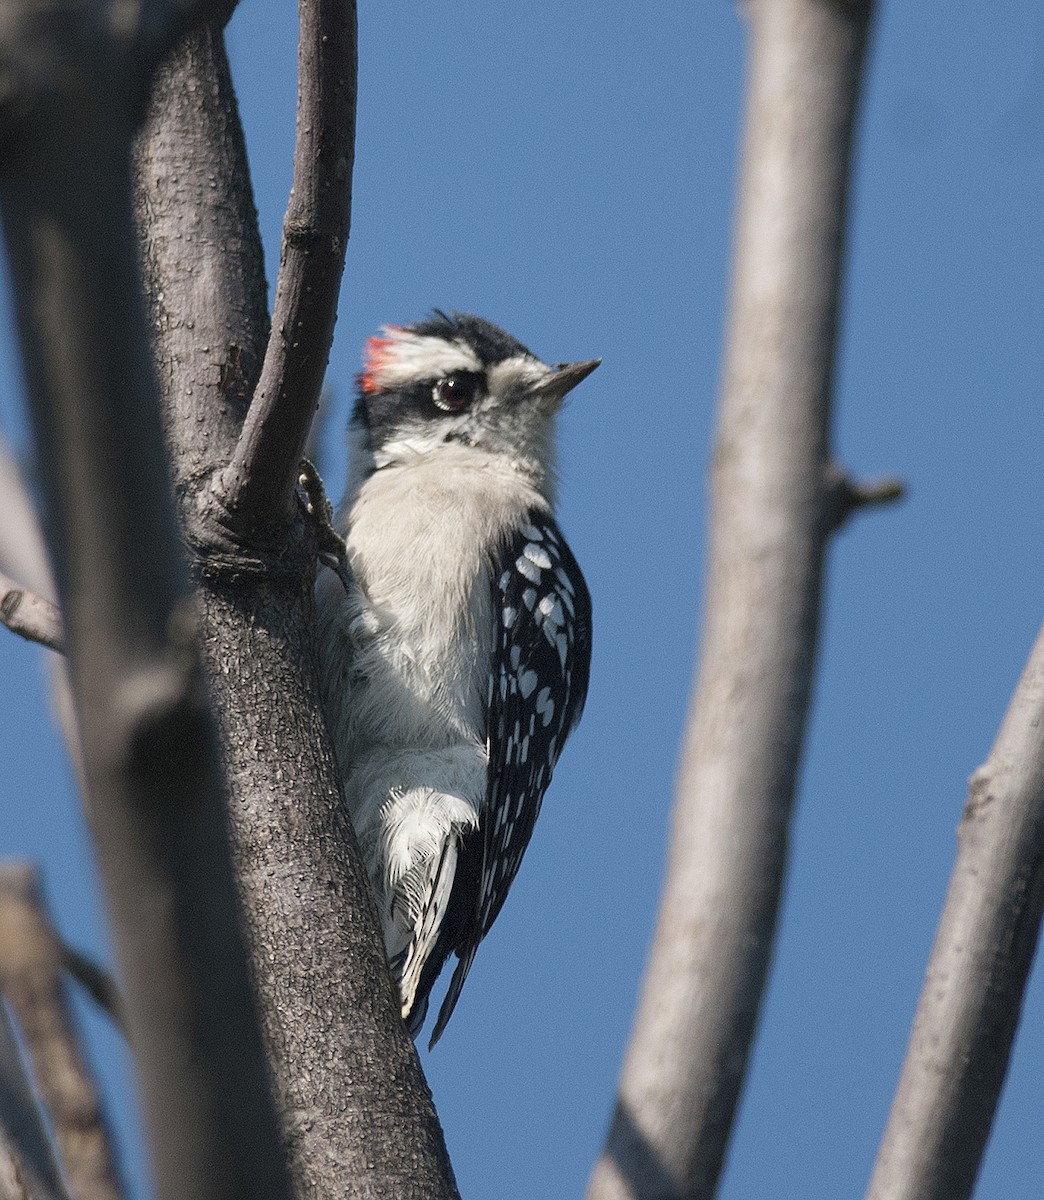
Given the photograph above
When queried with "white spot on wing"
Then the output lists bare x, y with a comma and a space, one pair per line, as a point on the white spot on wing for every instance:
537, 555
529, 569
527, 682
551, 607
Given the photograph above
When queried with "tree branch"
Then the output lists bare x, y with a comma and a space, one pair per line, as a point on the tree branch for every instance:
355, 1108
27, 1167
258, 483
30, 978
30, 616
151, 758
973, 989
770, 520
23, 555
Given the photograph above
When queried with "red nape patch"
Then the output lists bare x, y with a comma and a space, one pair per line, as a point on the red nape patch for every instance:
375, 355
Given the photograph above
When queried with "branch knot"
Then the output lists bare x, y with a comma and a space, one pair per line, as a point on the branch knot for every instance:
845, 495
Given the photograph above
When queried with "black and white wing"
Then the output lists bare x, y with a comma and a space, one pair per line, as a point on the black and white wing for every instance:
537, 687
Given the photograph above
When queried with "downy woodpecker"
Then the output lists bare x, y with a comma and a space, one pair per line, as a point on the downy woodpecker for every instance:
457, 663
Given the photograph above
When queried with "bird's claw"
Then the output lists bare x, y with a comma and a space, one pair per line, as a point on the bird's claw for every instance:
314, 503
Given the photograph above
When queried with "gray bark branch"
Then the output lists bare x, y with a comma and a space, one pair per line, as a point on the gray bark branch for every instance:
23, 555
27, 1167
772, 509
31, 981
258, 485
356, 1110
150, 755
976, 978
30, 616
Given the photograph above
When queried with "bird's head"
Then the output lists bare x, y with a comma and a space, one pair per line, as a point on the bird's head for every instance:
458, 381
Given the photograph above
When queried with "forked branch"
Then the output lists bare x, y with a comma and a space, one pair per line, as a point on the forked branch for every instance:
259, 481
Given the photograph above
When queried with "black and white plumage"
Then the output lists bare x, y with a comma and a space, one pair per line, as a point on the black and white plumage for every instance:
457, 663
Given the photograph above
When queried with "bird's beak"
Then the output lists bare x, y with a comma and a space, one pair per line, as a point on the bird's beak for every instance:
564, 377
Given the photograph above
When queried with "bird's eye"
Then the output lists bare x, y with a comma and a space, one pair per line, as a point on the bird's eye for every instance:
455, 392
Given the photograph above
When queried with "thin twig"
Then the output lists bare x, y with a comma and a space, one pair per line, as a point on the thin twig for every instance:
31, 980
973, 989
846, 496
24, 556
259, 481
31, 616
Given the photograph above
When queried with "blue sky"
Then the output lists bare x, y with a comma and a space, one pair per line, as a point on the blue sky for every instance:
567, 170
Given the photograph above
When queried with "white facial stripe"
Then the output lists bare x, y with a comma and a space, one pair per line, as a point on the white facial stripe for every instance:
402, 356
515, 373
414, 440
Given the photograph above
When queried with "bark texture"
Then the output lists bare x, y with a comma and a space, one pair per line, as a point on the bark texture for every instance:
155, 802
202, 260
973, 989
357, 1114
774, 502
